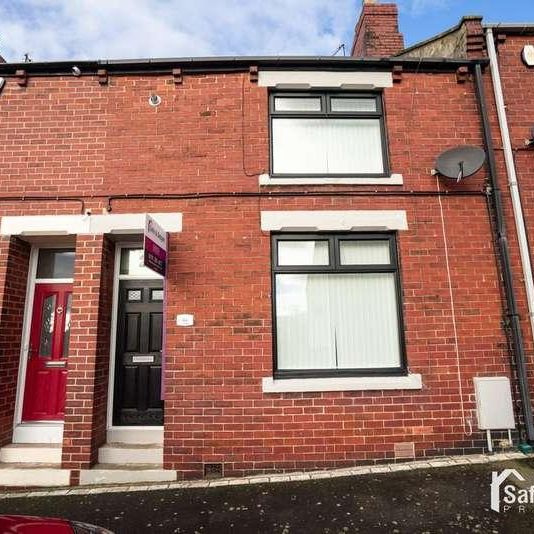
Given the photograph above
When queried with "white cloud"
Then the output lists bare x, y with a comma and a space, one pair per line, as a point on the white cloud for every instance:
102, 29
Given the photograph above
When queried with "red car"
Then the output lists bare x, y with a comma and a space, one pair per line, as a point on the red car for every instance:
23, 524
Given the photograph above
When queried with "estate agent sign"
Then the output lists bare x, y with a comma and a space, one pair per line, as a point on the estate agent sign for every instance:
155, 246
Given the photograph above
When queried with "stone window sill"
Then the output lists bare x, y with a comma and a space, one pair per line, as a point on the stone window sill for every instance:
361, 383
393, 179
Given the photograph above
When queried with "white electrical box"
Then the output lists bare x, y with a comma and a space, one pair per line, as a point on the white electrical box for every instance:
494, 403
185, 319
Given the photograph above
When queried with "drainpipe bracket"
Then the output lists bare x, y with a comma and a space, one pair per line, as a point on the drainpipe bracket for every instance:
462, 74
102, 75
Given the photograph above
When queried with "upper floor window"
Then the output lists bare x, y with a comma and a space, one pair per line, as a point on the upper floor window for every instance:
332, 134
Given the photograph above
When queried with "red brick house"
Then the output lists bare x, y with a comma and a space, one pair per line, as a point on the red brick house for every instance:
328, 300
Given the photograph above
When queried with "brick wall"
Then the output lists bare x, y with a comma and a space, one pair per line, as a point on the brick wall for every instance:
107, 139
211, 134
88, 364
215, 410
14, 261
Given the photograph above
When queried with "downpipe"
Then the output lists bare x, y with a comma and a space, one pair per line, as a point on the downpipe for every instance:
512, 177
518, 349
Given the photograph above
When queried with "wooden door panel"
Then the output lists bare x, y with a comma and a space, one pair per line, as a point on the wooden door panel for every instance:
41, 390
155, 332
132, 332
130, 387
61, 391
154, 386
142, 390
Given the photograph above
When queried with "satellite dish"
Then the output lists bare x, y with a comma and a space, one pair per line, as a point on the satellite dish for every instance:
460, 162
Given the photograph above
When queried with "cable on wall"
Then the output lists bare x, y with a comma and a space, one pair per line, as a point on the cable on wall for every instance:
282, 194
453, 314
45, 198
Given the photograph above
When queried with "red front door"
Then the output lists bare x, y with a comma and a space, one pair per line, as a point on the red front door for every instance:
46, 374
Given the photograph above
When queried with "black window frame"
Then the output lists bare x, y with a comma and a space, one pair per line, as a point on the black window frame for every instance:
335, 267
326, 112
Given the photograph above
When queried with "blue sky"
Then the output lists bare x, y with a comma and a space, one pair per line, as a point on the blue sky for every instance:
102, 29
420, 19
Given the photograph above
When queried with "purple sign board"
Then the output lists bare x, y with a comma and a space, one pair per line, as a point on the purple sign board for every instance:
155, 246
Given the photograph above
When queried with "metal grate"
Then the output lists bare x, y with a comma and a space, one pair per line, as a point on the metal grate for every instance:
404, 449
213, 470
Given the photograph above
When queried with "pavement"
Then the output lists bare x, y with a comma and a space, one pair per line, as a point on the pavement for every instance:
422, 499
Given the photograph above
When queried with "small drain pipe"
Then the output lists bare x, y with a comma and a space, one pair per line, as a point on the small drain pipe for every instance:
518, 348
512, 177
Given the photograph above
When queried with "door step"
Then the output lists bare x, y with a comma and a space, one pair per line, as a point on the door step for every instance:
128, 454
33, 475
46, 453
121, 474
44, 432
135, 436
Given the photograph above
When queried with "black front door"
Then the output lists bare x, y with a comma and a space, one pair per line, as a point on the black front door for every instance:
137, 399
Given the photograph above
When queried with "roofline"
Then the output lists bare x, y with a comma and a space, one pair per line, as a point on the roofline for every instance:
234, 64
440, 35
521, 28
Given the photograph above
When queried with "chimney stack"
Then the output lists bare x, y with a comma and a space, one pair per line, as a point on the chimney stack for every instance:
377, 31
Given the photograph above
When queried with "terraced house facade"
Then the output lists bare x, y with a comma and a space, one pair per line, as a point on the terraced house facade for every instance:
328, 299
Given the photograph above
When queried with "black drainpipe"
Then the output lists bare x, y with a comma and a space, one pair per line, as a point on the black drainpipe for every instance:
518, 349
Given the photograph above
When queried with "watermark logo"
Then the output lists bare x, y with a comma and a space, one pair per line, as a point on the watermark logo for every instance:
511, 494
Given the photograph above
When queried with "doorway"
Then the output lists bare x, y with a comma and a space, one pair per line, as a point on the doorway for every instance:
49, 336
135, 399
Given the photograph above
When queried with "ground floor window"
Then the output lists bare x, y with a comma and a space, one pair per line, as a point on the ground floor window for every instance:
336, 308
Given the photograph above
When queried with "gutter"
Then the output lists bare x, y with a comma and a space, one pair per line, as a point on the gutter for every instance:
520, 28
518, 348
236, 64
